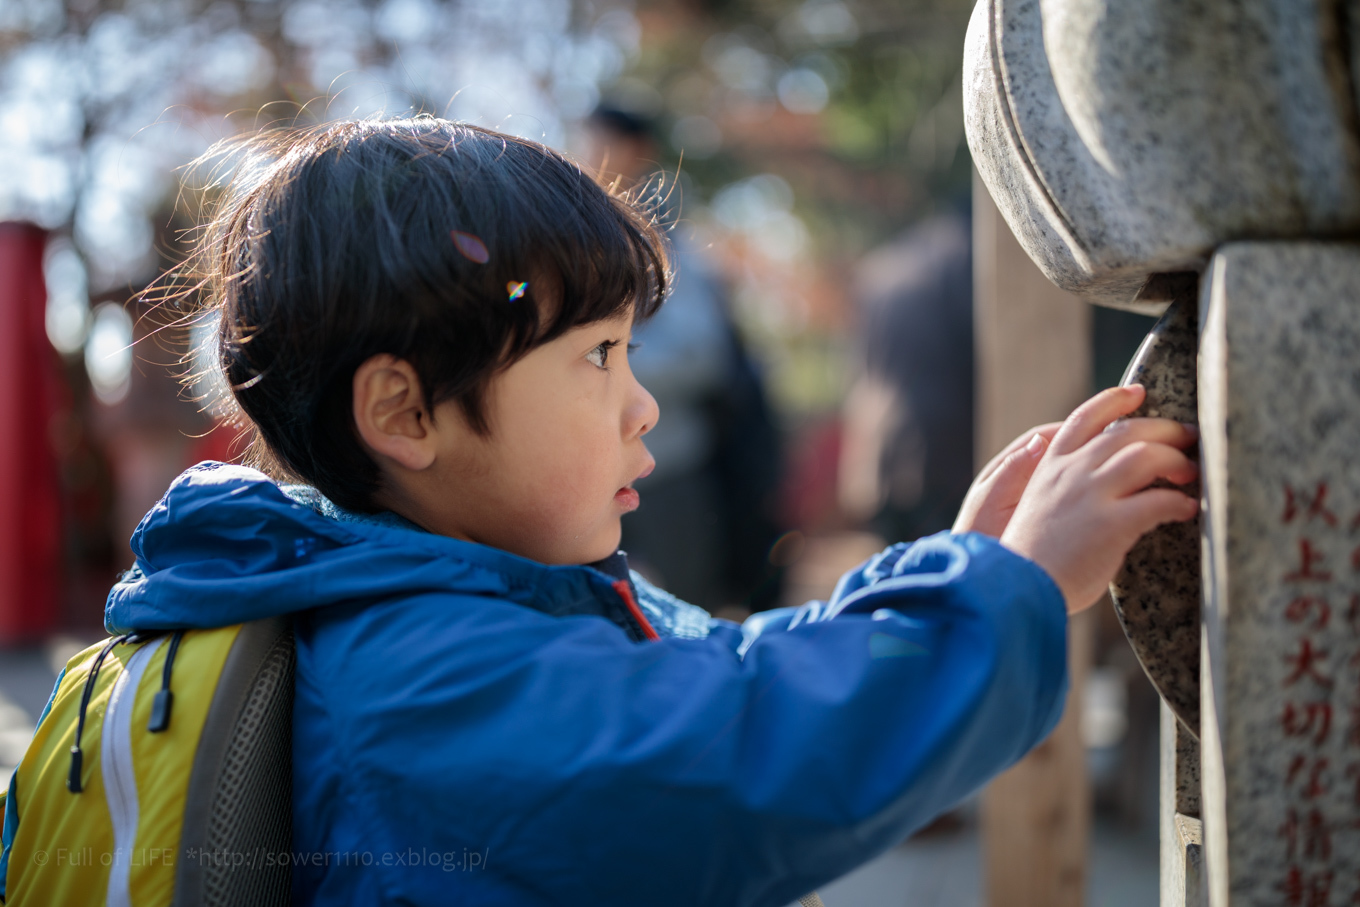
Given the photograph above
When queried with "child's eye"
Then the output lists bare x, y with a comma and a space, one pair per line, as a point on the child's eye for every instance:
600, 355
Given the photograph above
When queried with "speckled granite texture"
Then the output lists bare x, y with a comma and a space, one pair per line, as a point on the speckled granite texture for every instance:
1182, 855
1157, 591
1279, 401
1121, 139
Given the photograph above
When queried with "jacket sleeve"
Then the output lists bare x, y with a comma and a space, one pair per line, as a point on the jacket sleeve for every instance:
738, 769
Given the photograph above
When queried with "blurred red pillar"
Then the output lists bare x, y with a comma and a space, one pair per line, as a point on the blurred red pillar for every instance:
30, 493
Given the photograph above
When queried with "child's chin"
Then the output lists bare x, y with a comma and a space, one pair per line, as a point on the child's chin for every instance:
606, 547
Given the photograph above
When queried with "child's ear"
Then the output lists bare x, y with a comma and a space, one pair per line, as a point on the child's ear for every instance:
390, 413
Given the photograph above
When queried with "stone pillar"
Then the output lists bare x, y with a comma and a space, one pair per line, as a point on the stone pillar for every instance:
1279, 398
1033, 358
1126, 142
1183, 883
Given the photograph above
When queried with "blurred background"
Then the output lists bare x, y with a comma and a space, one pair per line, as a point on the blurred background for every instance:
815, 366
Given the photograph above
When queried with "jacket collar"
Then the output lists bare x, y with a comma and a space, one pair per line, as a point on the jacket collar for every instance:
226, 544
559, 591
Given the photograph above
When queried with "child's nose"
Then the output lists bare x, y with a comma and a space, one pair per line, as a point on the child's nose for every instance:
642, 412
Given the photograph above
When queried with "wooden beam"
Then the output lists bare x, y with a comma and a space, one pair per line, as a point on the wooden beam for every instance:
1033, 353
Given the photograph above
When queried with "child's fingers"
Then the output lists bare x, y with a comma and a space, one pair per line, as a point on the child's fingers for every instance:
1131, 431
1141, 463
1016, 470
1045, 431
993, 499
1146, 510
1090, 419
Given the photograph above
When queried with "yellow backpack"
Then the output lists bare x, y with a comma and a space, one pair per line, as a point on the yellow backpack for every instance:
160, 774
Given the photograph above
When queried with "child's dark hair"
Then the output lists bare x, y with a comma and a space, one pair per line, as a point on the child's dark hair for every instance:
338, 242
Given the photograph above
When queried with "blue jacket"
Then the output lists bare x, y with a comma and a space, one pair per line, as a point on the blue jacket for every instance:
472, 727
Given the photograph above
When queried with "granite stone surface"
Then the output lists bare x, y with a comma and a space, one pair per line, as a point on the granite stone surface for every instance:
1124, 139
1156, 592
1185, 751
1279, 401
1183, 883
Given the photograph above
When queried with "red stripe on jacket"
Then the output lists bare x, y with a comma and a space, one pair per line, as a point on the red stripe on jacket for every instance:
625, 592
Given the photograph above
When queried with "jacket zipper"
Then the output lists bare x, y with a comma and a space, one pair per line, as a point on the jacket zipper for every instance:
625, 592
120, 782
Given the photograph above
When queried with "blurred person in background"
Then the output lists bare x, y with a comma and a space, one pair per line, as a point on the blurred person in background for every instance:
907, 454
707, 526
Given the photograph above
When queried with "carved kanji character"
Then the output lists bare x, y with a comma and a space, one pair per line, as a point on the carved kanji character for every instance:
1317, 505
1290, 832
1317, 837
1314, 890
1292, 887
1303, 663
1299, 720
1301, 764
1298, 610
1309, 557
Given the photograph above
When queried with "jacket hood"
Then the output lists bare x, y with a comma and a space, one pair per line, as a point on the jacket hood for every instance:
226, 545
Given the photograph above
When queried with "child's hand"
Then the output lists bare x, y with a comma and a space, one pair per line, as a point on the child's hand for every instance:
996, 491
1088, 500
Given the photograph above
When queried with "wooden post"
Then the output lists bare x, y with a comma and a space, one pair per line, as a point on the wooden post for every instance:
1033, 345
30, 489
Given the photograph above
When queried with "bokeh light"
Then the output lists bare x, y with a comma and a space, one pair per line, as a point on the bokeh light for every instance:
108, 353
68, 299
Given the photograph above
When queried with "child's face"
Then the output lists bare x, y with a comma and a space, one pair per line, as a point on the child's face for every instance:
554, 475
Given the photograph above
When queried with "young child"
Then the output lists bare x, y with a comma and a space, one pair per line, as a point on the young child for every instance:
428, 325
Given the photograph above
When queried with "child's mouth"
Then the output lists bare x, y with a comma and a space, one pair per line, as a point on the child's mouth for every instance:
628, 497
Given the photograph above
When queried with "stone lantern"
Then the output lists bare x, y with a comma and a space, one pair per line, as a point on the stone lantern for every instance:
1200, 159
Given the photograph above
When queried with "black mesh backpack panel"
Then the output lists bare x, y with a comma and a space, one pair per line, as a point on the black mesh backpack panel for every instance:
238, 820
